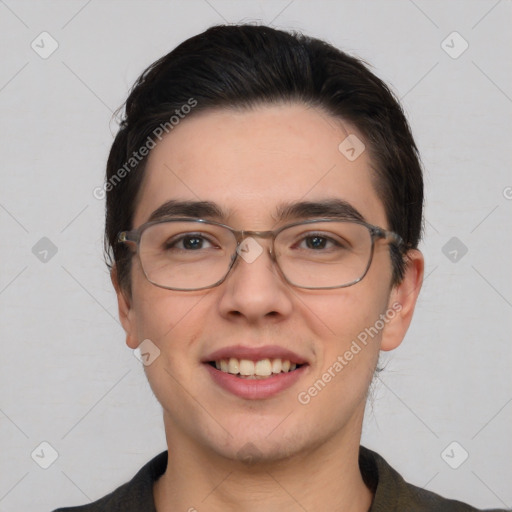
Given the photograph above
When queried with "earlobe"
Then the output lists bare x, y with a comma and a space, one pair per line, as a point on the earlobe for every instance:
126, 314
402, 300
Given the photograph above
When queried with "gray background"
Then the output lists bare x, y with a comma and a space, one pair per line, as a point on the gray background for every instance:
68, 379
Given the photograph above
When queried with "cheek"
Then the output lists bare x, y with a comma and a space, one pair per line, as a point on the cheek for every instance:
174, 324
347, 352
337, 388
338, 317
164, 316
348, 327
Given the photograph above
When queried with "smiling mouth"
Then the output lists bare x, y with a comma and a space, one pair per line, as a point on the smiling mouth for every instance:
261, 369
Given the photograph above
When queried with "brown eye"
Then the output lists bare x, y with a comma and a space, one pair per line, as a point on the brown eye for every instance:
189, 242
319, 242
316, 242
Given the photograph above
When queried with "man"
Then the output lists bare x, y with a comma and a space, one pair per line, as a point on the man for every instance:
264, 209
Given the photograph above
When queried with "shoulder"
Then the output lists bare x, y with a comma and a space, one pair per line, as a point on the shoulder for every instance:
393, 494
133, 496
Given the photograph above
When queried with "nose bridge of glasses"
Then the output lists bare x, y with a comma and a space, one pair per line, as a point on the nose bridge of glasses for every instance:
244, 236
251, 247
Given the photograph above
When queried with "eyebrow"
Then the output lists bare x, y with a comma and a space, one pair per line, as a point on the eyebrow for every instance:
327, 208
198, 209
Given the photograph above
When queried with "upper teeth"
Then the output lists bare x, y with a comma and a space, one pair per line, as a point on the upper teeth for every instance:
264, 367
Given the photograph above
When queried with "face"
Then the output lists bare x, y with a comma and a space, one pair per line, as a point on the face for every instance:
250, 164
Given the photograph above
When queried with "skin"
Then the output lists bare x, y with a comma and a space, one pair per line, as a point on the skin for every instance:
304, 456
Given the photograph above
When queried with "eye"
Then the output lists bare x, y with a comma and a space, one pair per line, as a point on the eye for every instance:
319, 242
316, 242
188, 242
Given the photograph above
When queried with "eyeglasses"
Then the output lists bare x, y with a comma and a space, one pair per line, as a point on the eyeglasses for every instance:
194, 254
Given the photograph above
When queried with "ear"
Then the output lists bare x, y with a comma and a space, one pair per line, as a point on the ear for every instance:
402, 300
126, 313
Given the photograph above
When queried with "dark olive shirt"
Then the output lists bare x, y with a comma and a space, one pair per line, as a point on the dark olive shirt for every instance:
391, 492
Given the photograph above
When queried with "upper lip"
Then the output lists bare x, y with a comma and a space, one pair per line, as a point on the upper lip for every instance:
254, 354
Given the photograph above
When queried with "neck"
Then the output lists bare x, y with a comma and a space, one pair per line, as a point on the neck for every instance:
326, 477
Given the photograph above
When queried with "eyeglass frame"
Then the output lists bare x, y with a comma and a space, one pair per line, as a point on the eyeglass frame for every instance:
376, 233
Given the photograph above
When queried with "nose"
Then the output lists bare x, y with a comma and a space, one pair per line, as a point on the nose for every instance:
254, 290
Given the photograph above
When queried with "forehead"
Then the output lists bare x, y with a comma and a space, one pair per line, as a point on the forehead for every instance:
252, 162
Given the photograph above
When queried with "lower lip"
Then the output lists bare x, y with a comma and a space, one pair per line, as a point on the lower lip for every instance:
255, 389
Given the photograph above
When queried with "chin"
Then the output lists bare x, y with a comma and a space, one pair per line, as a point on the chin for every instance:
264, 445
